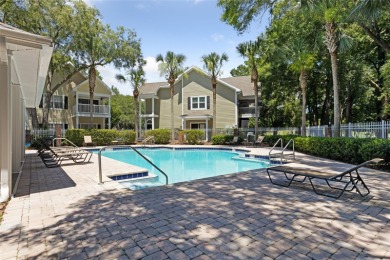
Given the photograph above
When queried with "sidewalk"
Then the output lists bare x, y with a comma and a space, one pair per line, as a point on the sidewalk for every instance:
63, 213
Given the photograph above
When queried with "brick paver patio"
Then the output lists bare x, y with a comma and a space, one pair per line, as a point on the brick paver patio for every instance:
63, 213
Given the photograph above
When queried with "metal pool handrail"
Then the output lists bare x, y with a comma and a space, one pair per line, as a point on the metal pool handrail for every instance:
61, 138
135, 150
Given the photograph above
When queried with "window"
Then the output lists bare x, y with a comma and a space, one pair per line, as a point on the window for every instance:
198, 103
57, 102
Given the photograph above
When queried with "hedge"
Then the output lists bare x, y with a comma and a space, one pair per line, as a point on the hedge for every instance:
100, 136
194, 136
161, 136
223, 139
349, 150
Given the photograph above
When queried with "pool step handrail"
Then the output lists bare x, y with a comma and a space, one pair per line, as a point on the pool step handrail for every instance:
293, 149
149, 139
62, 138
135, 150
282, 152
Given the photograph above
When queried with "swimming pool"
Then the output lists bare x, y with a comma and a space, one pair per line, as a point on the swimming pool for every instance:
184, 164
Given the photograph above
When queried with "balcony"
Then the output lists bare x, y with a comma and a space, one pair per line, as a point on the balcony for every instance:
84, 110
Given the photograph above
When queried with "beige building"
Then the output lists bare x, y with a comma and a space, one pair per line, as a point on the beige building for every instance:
69, 105
24, 61
193, 102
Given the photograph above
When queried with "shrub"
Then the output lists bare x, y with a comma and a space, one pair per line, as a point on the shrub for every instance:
100, 136
161, 136
229, 138
194, 136
76, 136
218, 139
349, 150
36, 142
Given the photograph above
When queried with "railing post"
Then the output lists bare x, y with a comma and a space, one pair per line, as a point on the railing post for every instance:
100, 165
383, 129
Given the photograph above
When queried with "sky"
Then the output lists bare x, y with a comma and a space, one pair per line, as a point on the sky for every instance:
189, 27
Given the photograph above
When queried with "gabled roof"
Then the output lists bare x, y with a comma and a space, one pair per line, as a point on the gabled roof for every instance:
152, 88
86, 80
243, 83
239, 84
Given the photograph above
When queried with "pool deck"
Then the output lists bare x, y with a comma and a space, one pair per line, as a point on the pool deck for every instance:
63, 213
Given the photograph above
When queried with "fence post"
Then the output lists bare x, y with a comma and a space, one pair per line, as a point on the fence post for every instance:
383, 129
349, 129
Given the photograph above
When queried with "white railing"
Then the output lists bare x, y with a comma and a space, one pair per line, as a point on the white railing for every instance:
45, 132
96, 109
353, 130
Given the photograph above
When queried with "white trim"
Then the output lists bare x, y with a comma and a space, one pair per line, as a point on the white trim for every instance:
198, 97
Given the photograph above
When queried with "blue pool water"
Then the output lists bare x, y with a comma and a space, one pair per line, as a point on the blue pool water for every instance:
184, 165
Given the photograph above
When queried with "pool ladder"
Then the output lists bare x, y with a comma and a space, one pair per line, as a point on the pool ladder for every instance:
282, 152
135, 150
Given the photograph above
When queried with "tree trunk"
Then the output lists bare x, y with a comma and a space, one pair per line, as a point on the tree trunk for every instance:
325, 115
135, 95
46, 100
32, 112
171, 86
315, 105
92, 81
376, 38
303, 81
331, 44
46, 109
336, 97
214, 83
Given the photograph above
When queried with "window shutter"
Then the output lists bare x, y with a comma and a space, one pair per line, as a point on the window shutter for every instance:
189, 103
66, 102
208, 102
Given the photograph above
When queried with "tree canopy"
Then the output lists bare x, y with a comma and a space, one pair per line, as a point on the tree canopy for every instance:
303, 36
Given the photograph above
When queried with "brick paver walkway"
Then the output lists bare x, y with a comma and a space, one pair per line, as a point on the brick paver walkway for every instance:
63, 213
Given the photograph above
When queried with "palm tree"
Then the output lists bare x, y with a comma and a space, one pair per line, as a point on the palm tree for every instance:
136, 77
171, 66
366, 14
251, 50
331, 13
213, 63
301, 61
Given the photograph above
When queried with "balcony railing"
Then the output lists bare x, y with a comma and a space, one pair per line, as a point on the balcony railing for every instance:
96, 109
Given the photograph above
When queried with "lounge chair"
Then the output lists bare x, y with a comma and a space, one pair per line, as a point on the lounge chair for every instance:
54, 158
348, 180
234, 141
259, 140
88, 141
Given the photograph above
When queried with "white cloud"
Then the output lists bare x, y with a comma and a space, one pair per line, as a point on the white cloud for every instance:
217, 37
108, 73
151, 70
198, 1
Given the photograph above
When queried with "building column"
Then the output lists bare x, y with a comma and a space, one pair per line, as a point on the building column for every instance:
5, 126
23, 123
109, 112
77, 122
153, 112
16, 128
